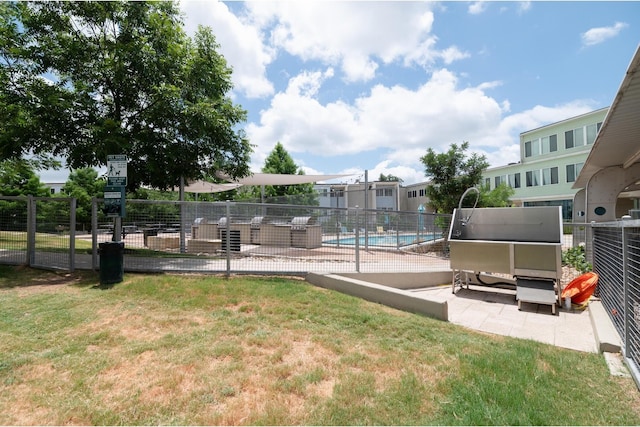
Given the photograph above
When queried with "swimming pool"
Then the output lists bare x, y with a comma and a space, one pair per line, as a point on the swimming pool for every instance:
385, 240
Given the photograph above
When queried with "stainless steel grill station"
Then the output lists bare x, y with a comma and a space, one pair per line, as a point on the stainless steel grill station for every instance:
304, 233
255, 225
525, 243
222, 223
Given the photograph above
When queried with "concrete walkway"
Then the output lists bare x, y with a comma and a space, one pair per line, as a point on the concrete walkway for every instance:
496, 311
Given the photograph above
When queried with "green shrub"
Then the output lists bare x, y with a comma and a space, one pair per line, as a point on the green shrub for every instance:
576, 258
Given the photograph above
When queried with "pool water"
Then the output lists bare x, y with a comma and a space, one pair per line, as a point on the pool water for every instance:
386, 240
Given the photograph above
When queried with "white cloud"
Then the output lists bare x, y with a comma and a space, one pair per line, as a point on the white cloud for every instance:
395, 119
351, 37
523, 6
601, 34
399, 123
240, 43
478, 7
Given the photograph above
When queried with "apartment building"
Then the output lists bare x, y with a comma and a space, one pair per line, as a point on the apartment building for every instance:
55, 187
413, 198
551, 158
380, 195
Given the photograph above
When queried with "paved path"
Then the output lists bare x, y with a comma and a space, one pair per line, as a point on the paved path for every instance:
496, 311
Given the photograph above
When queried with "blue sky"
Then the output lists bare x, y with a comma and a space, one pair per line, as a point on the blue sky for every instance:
354, 86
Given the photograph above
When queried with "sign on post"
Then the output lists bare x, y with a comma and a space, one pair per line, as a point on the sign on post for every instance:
117, 170
114, 191
114, 201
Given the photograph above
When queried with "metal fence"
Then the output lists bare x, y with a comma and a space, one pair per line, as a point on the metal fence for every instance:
38, 231
616, 259
231, 237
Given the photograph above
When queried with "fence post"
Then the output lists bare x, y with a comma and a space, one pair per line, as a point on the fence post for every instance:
31, 231
94, 233
228, 234
183, 237
72, 234
628, 311
357, 242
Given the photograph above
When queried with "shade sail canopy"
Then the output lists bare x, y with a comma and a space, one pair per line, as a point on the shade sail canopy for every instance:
285, 179
618, 142
258, 179
209, 187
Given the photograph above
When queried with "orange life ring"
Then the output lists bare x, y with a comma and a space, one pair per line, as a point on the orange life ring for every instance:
581, 288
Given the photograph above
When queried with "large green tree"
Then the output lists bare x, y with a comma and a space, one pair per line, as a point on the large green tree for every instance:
18, 178
389, 178
84, 184
498, 197
82, 80
451, 174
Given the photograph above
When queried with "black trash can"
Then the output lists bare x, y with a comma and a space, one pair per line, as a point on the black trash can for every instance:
234, 240
111, 262
148, 232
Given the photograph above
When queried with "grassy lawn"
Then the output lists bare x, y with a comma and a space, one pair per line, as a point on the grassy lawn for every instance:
202, 350
17, 241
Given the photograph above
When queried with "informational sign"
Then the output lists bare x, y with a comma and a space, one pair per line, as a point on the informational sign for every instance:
114, 205
117, 170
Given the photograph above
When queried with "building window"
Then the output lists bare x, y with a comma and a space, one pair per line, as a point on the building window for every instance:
567, 207
549, 144
532, 148
502, 179
387, 192
573, 171
550, 176
533, 178
538, 146
487, 183
574, 138
592, 132
422, 193
53, 191
568, 139
514, 180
